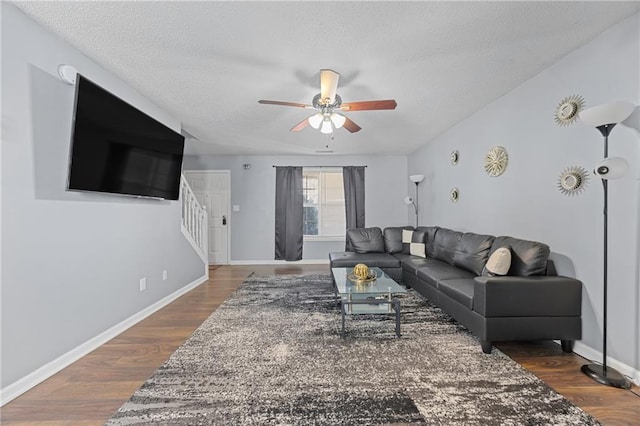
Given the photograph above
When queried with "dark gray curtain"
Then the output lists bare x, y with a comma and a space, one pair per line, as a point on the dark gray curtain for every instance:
353, 177
289, 216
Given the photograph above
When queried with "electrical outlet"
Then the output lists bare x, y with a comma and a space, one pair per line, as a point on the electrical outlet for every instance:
164, 275
143, 284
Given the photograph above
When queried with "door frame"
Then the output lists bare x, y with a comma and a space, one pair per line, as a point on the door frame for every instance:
229, 221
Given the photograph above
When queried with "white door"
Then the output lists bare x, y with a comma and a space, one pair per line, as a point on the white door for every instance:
212, 188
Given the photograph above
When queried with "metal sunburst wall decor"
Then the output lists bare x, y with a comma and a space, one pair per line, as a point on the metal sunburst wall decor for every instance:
454, 157
568, 109
573, 180
454, 194
495, 161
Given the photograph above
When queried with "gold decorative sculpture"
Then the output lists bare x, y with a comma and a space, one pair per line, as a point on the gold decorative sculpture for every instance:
361, 271
362, 274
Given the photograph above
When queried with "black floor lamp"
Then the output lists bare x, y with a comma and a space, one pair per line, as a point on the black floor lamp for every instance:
410, 200
604, 118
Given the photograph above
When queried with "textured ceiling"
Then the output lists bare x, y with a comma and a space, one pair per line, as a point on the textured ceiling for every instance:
208, 63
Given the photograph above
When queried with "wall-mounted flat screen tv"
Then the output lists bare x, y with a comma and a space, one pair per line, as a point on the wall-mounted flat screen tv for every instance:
118, 149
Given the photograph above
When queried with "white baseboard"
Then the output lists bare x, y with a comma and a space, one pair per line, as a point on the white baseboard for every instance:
281, 262
22, 385
596, 356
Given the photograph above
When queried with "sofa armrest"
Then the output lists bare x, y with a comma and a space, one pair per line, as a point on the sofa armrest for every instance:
532, 296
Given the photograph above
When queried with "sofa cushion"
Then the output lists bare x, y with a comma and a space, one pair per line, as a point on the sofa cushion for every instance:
403, 256
472, 252
411, 264
366, 240
393, 238
460, 290
445, 244
437, 270
428, 233
527, 257
349, 259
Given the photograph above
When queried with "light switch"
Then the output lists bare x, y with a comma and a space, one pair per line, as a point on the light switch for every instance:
236, 208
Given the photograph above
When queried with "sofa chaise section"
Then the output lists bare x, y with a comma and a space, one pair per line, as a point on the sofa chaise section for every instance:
369, 247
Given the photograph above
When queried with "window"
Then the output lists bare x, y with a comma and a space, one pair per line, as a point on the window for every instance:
323, 191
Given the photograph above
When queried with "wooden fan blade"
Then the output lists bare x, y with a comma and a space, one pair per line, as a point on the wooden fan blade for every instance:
301, 125
293, 104
351, 126
328, 85
369, 105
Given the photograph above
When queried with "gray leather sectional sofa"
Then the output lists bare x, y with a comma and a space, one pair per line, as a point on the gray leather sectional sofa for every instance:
529, 303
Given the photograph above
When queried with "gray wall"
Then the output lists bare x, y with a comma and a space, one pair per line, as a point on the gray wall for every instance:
71, 262
525, 201
252, 228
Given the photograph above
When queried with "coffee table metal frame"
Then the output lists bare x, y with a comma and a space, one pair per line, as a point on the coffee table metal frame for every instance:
371, 298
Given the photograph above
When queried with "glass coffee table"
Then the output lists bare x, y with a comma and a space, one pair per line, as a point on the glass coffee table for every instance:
374, 297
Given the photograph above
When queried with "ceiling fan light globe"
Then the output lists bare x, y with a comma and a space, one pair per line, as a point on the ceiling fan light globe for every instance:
315, 120
326, 127
338, 120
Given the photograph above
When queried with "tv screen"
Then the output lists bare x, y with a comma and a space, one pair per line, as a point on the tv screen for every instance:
118, 149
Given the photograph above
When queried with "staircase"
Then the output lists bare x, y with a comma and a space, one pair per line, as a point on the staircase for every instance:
194, 222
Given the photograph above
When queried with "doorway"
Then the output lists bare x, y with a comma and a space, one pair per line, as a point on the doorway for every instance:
212, 188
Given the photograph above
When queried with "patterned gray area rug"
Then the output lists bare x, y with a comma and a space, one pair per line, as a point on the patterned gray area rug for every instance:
272, 354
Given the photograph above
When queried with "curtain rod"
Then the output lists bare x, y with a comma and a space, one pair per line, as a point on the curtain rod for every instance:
319, 167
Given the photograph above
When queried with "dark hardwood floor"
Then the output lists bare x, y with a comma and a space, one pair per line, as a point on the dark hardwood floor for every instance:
89, 391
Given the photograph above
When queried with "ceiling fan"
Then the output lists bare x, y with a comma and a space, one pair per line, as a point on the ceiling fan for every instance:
327, 102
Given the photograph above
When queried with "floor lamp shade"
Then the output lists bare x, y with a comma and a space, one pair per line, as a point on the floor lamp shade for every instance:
604, 118
410, 200
611, 168
610, 113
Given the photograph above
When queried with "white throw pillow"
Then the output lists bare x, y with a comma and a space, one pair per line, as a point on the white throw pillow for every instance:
499, 262
407, 234
417, 249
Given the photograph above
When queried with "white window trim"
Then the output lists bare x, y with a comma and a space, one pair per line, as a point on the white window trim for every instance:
318, 238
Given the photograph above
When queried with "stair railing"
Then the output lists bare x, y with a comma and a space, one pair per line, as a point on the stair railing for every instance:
194, 221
